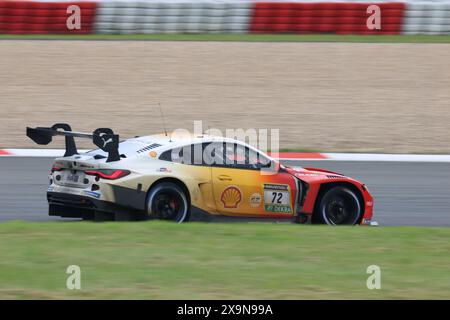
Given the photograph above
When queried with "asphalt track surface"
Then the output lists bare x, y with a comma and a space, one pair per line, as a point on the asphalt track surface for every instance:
405, 193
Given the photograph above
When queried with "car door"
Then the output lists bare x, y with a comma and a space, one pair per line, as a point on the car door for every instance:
241, 188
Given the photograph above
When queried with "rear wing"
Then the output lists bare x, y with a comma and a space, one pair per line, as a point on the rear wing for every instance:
104, 138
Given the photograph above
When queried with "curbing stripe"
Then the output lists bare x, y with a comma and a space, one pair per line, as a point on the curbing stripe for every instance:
283, 156
299, 155
388, 157
4, 153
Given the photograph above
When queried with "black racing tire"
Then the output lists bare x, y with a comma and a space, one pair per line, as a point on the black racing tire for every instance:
339, 205
167, 201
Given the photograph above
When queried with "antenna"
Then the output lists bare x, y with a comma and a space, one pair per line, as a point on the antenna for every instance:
162, 117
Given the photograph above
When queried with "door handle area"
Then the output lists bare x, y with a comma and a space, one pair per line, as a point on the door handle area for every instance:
223, 177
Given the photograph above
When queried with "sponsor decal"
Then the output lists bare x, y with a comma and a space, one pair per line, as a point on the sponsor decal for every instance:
163, 170
63, 189
92, 194
86, 166
277, 198
255, 200
153, 154
306, 174
105, 142
369, 222
231, 197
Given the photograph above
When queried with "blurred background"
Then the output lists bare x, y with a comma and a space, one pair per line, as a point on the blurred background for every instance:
333, 76
344, 96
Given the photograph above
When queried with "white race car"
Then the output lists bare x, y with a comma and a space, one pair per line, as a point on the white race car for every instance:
167, 177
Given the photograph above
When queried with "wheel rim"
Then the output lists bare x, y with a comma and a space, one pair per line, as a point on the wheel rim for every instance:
341, 208
167, 204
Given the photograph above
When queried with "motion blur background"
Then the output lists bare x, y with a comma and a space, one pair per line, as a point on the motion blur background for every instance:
377, 97
312, 69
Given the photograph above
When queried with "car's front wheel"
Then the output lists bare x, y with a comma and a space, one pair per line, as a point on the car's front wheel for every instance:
340, 206
167, 201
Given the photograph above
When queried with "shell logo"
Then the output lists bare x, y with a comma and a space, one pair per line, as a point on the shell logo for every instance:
231, 197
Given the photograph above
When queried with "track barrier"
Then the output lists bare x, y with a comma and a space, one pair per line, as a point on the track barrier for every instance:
224, 16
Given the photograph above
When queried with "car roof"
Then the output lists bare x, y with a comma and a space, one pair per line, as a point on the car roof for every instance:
176, 140
159, 143
163, 142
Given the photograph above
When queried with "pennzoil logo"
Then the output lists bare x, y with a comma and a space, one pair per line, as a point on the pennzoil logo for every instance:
231, 197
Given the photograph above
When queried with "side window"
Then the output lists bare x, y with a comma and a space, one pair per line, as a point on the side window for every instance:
218, 154
178, 155
242, 157
166, 155
213, 153
194, 154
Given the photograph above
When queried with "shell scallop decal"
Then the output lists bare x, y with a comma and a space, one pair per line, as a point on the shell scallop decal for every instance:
231, 197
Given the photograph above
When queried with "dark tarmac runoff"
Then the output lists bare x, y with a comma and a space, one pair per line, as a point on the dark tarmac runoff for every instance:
405, 193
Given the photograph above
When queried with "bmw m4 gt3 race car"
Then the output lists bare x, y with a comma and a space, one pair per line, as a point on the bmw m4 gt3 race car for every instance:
180, 178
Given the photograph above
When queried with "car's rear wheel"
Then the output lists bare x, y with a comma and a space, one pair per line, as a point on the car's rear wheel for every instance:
167, 201
340, 206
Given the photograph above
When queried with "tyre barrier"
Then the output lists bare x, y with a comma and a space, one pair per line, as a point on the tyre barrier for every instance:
324, 17
30, 17
427, 18
224, 16
166, 17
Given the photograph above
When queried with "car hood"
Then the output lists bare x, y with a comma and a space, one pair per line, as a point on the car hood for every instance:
311, 175
311, 171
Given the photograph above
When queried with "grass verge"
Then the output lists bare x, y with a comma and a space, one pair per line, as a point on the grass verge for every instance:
156, 260
243, 37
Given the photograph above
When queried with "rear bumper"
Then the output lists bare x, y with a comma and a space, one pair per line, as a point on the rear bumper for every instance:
75, 206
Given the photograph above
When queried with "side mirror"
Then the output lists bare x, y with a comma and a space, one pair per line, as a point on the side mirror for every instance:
273, 167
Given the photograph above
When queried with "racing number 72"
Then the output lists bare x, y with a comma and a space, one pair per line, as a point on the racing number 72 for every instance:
277, 197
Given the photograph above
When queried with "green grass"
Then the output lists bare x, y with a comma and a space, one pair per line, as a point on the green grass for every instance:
156, 260
244, 37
